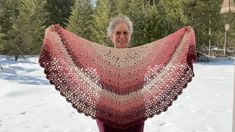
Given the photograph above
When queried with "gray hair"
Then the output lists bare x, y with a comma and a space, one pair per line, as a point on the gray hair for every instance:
117, 20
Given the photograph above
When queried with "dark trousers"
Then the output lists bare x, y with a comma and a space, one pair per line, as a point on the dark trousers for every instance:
105, 128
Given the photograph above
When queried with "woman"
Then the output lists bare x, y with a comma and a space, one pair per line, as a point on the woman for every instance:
166, 73
120, 30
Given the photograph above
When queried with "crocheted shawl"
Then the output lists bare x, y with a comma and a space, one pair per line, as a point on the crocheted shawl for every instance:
121, 87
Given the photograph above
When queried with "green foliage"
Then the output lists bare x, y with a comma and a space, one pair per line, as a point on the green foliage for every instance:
59, 11
204, 15
117, 7
81, 21
101, 20
155, 19
151, 2
28, 29
8, 13
137, 12
172, 12
23, 22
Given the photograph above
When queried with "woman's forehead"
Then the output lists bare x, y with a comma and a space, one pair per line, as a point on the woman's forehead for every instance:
121, 26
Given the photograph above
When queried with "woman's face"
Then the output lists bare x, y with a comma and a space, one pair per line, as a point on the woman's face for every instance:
121, 36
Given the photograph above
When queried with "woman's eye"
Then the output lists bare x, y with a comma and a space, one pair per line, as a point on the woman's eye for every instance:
118, 33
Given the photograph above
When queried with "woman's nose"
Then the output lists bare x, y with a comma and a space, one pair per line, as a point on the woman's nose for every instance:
122, 36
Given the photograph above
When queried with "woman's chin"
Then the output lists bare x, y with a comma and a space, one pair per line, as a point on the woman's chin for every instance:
121, 46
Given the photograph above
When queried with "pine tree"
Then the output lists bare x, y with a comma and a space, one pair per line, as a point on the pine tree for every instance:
117, 7
173, 13
29, 27
81, 21
231, 39
144, 18
1, 41
152, 2
101, 21
204, 16
59, 11
8, 13
153, 24
154, 19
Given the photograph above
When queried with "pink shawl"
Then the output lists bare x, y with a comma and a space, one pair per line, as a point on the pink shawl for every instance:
121, 87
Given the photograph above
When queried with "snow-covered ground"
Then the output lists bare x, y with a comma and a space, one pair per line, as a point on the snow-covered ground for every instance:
28, 103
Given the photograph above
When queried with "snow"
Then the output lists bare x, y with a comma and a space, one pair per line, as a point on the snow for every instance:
28, 103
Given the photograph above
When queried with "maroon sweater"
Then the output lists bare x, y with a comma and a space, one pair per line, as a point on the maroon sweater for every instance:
105, 128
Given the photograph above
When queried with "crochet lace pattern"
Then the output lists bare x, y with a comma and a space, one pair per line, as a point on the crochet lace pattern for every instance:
121, 87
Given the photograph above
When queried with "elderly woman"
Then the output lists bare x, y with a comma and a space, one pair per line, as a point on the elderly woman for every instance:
167, 72
120, 30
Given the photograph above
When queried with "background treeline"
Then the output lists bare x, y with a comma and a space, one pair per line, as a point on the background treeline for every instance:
23, 22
